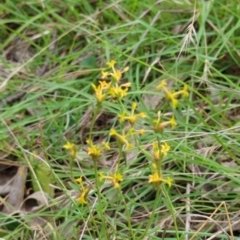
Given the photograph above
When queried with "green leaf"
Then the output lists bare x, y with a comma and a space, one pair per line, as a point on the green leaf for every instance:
43, 174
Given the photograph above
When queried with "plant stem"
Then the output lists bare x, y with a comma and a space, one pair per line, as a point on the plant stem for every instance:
104, 228
149, 223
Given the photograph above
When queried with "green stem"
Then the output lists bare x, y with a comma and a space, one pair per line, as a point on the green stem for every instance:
71, 168
171, 208
128, 216
150, 221
95, 113
104, 228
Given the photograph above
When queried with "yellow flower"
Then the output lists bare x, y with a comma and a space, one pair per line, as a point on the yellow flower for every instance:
173, 122
113, 132
115, 178
104, 85
162, 85
159, 126
160, 151
134, 106
154, 166
101, 91
122, 138
172, 96
169, 181
157, 179
69, 145
83, 195
122, 117
132, 118
100, 96
165, 148
119, 92
132, 131
141, 131
93, 150
72, 147
79, 180
104, 74
116, 74
106, 145
111, 63
185, 91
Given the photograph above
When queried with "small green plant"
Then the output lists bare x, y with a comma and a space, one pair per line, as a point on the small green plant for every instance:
125, 137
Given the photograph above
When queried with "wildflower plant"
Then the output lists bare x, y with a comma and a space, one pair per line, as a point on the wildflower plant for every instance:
125, 136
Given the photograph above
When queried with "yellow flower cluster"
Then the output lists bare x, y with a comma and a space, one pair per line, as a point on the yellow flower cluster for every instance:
173, 96
95, 151
132, 117
160, 150
72, 147
124, 138
112, 89
128, 132
158, 125
115, 178
157, 179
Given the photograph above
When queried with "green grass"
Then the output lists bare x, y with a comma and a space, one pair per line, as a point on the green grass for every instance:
51, 54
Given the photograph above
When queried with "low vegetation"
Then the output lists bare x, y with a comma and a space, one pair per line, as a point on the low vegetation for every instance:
119, 120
